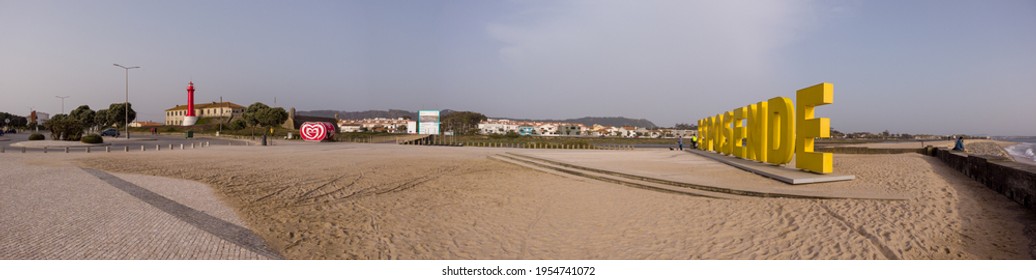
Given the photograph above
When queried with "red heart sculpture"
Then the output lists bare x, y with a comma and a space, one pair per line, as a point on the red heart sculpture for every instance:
313, 131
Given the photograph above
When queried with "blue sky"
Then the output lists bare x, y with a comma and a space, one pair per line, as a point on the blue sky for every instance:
906, 66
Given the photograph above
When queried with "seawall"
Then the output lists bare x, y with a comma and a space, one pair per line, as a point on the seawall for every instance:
1015, 180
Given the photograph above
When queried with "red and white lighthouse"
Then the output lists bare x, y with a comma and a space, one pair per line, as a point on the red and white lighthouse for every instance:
190, 99
190, 119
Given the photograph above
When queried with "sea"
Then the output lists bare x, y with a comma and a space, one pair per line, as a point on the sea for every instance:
1023, 151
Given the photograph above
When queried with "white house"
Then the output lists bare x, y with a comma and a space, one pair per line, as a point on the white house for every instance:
349, 127
547, 129
498, 126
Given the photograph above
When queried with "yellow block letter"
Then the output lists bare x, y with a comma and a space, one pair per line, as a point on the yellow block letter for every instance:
717, 133
810, 128
701, 133
782, 131
757, 128
710, 133
728, 133
739, 132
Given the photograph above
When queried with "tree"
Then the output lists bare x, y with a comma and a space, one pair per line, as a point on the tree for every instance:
464, 122
117, 114
84, 116
272, 117
16, 121
837, 134
252, 112
101, 118
258, 114
64, 127
237, 124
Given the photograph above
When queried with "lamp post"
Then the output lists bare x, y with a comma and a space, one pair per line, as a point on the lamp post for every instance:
62, 103
221, 112
125, 106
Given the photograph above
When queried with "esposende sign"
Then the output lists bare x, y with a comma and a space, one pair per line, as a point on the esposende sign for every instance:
771, 131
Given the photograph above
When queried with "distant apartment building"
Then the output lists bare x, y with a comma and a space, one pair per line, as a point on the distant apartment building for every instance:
374, 124
527, 128
40, 117
498, 126
547, 129
530, 128
683, 132
349, 127
229, 110
538, 128
570, 130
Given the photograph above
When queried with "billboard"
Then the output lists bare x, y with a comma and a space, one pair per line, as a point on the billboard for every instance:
427, 122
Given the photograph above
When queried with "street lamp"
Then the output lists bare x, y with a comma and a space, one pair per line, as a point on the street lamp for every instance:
62, 103
221, 112
126, 105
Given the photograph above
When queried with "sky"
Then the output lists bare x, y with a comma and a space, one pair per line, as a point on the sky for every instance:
935, 67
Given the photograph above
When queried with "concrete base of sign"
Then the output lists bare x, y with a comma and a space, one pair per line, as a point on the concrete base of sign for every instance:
779, 173
671, 171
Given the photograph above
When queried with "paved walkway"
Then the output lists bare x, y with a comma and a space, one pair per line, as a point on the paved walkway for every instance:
60, 211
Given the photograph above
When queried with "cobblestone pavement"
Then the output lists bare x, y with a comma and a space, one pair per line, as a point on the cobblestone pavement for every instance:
59, 211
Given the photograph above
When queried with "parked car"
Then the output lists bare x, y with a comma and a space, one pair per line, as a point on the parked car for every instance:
110, 132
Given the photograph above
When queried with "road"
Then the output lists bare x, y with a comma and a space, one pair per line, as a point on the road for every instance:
9, 142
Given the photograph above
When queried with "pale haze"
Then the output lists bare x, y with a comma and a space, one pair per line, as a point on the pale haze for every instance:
936, 67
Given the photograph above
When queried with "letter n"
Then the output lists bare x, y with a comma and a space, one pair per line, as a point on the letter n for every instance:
739, 132
757, 125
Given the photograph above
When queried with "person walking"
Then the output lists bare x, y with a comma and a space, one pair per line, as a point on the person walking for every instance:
679, 142
694, 141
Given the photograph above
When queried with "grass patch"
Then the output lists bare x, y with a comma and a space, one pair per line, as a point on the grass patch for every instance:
92, 139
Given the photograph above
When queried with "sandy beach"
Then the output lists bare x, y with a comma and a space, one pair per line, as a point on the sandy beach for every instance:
973, 146
373, 201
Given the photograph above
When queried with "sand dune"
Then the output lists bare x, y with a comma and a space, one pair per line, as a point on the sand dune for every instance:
362, 201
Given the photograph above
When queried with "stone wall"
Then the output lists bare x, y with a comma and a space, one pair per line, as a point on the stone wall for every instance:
1015, 180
